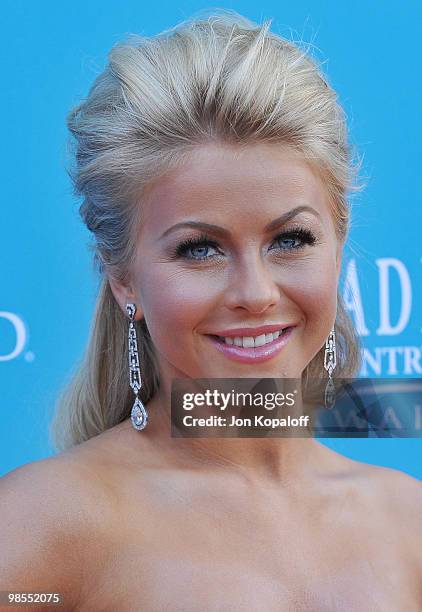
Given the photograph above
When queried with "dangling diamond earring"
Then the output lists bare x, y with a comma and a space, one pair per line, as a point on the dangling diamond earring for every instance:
139, 415
330, 362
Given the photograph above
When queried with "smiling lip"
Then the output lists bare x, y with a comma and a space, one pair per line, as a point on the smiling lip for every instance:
253, 354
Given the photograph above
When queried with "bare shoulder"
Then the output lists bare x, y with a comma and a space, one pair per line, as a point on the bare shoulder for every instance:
48, 514
399, 499
391, 493
402, 495
394, 499
398, 492
379, 480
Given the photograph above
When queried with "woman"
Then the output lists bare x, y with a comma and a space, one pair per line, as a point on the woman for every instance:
214, 168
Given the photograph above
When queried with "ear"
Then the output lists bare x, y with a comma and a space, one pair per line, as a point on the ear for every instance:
124, 295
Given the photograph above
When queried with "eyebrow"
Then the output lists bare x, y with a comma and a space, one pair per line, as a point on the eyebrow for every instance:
216, 229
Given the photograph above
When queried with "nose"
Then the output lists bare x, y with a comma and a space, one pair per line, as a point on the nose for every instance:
251, 286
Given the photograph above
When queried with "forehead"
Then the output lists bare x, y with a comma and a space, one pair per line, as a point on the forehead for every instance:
230, 183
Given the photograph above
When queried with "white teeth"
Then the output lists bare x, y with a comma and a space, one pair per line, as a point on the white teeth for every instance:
250, 342
260, 340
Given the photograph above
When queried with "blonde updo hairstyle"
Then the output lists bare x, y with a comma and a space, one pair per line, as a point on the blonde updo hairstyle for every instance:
219, 78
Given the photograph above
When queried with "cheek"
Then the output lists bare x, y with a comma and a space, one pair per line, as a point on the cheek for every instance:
317, 291
315, 295
174, 304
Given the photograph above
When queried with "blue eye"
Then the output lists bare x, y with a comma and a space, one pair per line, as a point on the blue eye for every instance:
287, 243
295, 239
200, 245
202, 251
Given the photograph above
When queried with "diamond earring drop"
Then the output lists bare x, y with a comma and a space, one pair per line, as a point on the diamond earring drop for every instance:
330, 362
139, 415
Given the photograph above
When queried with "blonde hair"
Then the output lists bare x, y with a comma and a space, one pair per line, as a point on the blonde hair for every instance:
220, 78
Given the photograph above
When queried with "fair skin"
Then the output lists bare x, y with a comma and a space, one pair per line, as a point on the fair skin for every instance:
142, 521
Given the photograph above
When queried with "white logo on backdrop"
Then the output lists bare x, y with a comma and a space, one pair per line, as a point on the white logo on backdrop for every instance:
387, 360
20, 337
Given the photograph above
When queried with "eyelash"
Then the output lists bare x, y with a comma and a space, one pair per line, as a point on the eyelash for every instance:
301, 233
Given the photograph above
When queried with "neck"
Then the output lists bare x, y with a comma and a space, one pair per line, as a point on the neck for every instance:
279, 460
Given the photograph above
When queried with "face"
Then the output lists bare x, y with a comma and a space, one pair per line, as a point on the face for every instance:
233, 239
